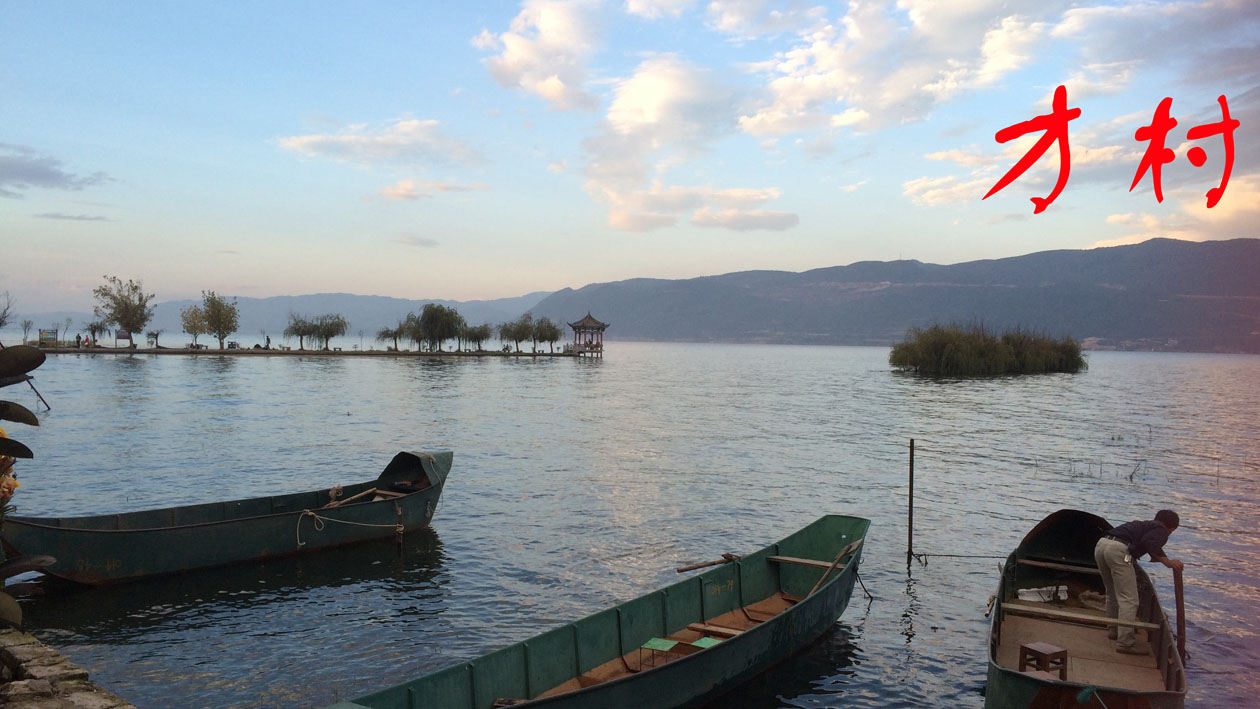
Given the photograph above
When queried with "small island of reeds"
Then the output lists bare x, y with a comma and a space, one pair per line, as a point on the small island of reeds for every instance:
958, 351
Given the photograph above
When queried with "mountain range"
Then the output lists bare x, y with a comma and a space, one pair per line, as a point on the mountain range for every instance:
1158, 295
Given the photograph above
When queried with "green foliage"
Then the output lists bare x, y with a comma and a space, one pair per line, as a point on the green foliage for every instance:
957, 351
438, 324
478, 334
123, 304
193, 318
518, 331
392, 333
221, 317
547, 331
300, 327
328, 326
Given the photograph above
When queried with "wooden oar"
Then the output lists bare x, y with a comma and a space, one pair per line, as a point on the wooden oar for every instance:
726, 559
1181, 615
843, 553
352, 498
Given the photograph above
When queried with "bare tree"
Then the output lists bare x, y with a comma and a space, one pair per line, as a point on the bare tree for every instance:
123, 304
26, 329
6, 309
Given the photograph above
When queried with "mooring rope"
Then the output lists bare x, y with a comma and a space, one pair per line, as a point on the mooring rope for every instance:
320, 520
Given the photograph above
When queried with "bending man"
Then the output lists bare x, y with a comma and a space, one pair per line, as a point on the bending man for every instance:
1116, 553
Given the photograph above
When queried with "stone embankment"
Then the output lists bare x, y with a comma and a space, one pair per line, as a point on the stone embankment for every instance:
37, 677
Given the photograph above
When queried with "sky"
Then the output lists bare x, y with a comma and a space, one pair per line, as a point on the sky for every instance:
482, 150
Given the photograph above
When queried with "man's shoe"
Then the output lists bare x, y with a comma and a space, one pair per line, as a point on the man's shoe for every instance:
1130, 650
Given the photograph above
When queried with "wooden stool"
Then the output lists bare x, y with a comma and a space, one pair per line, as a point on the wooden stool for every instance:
1044, 657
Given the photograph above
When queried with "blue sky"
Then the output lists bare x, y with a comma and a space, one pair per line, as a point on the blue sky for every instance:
470, 151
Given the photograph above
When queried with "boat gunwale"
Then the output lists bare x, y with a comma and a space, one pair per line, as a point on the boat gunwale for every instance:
29, 521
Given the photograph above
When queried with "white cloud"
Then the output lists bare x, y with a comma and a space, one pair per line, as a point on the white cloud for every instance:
938, 191
408, 190
654, 9
885, 63
665, 114
558, 166
544, 52
753, 18
1235, 216
406, 141
404, 190
744, 220
853, 187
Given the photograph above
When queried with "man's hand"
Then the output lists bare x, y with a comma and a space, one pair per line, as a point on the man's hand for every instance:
1172, 563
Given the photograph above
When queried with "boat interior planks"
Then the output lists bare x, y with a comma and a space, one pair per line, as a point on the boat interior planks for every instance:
1091, 659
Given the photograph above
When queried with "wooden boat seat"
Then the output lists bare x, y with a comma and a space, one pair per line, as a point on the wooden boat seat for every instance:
1061, 567
714, 630
1049, 612
799, 562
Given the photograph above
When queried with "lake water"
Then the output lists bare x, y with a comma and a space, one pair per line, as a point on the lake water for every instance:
581, 484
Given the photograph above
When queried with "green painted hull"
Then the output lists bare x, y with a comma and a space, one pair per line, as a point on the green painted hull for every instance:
107, 549
1067, 537
528, 669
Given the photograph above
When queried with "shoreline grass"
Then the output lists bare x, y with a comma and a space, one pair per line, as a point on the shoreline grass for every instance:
967, 351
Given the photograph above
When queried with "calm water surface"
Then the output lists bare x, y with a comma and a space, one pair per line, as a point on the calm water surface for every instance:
580, 484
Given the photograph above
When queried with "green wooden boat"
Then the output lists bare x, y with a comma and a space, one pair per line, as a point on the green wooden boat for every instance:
106, 549
1058, 556
675, 647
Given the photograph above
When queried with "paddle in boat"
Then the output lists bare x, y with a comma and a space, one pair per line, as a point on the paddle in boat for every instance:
675, 647
106, 549
1048, 643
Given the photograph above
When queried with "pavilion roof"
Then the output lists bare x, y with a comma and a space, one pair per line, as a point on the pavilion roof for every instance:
588, 323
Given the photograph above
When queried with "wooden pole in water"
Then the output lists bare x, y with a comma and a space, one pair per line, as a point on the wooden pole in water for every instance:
910, 522
1181, 615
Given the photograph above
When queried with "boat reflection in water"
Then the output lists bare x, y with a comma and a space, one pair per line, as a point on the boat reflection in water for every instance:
234, 598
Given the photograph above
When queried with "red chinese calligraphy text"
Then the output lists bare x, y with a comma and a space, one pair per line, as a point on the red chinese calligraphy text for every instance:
1224, 128
1055, 125
1156, 155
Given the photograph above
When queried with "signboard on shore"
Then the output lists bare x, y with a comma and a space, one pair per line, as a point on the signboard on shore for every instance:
47, 338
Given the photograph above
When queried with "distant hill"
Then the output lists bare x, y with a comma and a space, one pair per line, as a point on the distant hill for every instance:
1162, 294
1158, 295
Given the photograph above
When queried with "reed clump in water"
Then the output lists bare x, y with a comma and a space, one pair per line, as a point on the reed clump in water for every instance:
958, 351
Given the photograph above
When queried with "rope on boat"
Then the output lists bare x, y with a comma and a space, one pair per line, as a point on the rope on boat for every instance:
320, 520
858, 576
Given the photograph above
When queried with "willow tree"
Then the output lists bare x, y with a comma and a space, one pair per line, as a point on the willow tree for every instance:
439, 324
547, 331
328, 326
386, 334
124, 305
478, 334
299, 327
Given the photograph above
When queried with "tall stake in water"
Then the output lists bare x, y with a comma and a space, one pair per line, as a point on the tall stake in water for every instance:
910, 523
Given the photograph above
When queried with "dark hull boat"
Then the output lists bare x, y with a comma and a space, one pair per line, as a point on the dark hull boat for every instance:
675, 647
1057, 556
106, 549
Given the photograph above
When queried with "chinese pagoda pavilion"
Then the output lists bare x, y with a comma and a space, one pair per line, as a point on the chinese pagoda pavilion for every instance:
588, 336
